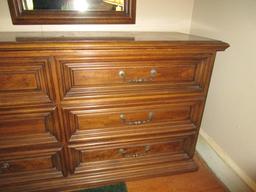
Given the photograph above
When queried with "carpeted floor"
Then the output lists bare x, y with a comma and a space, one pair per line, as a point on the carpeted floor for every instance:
120, 187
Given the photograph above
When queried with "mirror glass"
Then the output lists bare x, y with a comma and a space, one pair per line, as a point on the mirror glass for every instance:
36, 12
74, 5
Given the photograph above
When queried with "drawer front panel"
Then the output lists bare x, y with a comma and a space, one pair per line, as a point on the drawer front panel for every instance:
81, 77
115, 122
25, 81
130, 153
17, 81
29, 127
114, 75
15, 166
19, 127
37, 165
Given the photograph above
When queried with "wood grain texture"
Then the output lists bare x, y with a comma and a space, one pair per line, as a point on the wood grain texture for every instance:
86, 124
94, 76
28, 126
24, 81
131, 152
32, 165
68, 120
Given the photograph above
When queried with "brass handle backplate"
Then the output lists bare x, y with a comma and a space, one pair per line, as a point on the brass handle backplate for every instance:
136, 122
125, 154
4, 166
153, 73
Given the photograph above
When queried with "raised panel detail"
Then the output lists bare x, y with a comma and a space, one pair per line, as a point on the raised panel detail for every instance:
21, 127
15, 81
88, 158
25, 81
22, 165
90, 78
131, 152
38, 165
88, 124
28, 127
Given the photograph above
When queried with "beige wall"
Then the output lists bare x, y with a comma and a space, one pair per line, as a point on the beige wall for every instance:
152, 15
230, 115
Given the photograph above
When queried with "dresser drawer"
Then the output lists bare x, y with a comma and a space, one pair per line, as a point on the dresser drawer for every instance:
25, 81
31, 165
29, 126
25, 165
130, 153
84, 124
134, 151
80, 78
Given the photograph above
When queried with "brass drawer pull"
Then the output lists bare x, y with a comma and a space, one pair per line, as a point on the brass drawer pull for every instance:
153, 74
124, 153
137, 122
4, 166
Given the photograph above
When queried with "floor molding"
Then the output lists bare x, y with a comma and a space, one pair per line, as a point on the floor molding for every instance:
223, 166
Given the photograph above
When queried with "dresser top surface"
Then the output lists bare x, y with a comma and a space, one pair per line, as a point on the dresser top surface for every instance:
98, 36
12, 40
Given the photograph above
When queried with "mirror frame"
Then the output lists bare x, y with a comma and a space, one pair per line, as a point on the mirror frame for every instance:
37, 17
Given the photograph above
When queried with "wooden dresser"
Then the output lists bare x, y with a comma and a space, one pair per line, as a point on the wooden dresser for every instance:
79, 110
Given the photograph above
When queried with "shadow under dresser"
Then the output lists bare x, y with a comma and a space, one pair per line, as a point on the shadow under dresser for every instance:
79, 110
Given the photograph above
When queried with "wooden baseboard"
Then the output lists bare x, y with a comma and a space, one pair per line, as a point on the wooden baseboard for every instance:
223, 166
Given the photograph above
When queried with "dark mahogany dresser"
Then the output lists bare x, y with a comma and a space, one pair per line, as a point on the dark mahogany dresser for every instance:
79, 110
